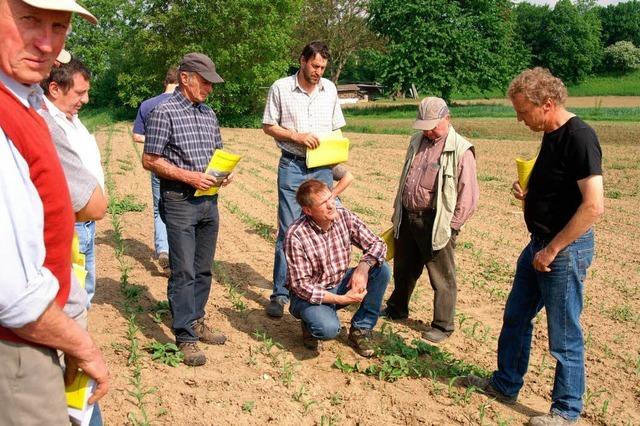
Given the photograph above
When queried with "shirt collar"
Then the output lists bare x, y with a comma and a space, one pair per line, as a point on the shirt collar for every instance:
27, 94
313, 225
296, 84
186, 103
54, 110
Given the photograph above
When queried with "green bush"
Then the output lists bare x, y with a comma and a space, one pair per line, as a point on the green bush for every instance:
622, 56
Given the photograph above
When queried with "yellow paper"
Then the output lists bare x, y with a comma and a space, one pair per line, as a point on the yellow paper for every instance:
77, 392
333, 149
524, 171
78, 261
387, 237
221, 165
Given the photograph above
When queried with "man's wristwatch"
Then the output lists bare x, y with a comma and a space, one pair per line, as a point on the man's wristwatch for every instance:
369, 262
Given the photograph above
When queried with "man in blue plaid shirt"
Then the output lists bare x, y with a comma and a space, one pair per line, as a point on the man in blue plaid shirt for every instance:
182, 135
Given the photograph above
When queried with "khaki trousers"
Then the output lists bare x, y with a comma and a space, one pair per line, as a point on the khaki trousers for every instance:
31, 386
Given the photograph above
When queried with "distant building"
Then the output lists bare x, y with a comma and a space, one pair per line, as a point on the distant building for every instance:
358, 92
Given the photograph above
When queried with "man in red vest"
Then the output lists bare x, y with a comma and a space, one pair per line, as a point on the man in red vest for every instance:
36, 226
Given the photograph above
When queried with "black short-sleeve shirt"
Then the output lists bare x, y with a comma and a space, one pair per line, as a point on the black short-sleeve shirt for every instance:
567, 155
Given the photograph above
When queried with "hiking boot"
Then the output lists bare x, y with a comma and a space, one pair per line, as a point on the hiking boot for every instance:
484, 385
435, 335
360, 340
275, 308
308, 340
193, 355
163, 260
551, 419
206, 335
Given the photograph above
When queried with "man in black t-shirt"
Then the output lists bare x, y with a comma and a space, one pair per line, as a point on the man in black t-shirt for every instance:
562, 202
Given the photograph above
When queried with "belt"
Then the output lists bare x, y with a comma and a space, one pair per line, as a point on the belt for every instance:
175, 185
420, 213
287, 154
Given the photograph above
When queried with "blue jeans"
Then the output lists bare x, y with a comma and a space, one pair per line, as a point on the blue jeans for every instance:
192, 230
96, 416
159, 228
561, 293
86, 237
322, 320
291, 174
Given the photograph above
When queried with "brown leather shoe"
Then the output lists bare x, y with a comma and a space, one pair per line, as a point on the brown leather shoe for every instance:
308, 340
360, 340
193, 355
206, 335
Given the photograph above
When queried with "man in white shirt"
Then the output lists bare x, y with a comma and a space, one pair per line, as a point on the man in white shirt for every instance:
66, 91
35, 218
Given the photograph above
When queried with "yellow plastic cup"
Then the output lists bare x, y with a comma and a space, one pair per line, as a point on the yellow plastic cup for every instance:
524, 171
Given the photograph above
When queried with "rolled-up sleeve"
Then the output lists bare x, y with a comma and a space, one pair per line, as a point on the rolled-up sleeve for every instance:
27, 288
272, 107
372, 246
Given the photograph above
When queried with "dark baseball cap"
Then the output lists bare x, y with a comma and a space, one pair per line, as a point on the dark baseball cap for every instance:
202, 64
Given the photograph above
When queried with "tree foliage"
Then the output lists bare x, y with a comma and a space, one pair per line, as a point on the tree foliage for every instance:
443, 46
341, 24
138, 40
621, 22
572, 48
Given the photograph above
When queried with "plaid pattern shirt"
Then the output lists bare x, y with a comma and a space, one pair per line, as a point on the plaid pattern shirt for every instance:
184, 133
317, 260
290, 107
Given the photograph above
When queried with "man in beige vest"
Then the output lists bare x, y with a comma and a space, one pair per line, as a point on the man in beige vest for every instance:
438, 192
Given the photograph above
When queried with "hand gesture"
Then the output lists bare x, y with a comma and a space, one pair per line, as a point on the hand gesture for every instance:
201, 181
94, 366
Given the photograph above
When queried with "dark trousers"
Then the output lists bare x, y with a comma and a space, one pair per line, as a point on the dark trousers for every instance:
192, 232
413, 251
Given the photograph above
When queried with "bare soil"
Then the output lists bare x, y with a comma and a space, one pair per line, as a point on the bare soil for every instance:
246, 383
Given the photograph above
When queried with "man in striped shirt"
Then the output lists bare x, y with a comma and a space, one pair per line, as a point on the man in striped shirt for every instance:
318, 251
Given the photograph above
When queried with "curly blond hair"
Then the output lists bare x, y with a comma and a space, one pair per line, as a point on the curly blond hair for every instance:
537, 85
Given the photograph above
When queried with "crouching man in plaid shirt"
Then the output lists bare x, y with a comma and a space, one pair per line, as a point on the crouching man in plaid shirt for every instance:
318, 250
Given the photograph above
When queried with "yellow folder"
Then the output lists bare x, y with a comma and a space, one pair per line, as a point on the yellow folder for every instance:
221, 165
78, 392
387, 237
333, 149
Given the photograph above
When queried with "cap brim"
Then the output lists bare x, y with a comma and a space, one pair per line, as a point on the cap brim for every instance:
64, 57
426, 124
211, 77
63, 6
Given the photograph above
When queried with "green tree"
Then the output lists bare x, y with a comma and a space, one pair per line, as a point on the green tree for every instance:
443, 46
530, 22
341, 24
621, 22
572, 48
249, 40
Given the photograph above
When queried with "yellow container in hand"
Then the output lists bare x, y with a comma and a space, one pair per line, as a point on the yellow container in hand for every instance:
221, 165
524, 171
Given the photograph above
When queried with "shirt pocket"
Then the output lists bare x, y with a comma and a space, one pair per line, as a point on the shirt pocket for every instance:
429, 176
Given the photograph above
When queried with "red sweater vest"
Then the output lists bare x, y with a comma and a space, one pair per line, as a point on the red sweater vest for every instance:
29, 134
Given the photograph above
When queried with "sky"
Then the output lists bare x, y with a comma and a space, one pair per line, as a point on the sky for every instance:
552, 2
